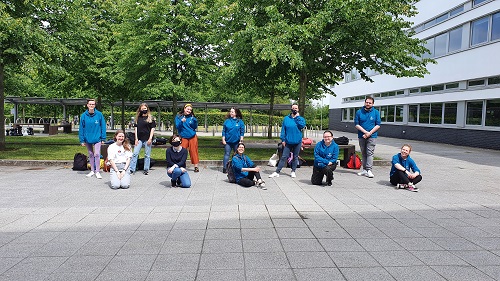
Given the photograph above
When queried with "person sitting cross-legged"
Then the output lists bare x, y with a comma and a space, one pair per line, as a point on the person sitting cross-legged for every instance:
404, 171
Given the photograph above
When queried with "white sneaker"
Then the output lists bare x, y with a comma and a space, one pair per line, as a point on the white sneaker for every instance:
261, 184
293, 175
369, 174
98, 175
91, 174
274, 175
363, 173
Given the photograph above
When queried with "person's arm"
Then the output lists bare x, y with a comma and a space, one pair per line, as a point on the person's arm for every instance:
194, 123
151, 135
103, 129
242, 130
136, 141
224, 127
322, 162
300, 121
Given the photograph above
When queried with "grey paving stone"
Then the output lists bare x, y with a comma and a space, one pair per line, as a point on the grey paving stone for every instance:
493, 271
414, 273
173, 275
418, 244
272, 274
181, 247
223, 233
318, 274
310, 260
123, 275
73, 276
379, 244
438, 258
223, 246
186, 234
262, 233
262, 245
266, 260
131, 263
478, 258
184, 262
353, 259
366, 274
221, 261
85, 264
256, 223
226, 274
396, 258
461, 273
341, 245
290, 233
329, 232
455, 244
301, 245
289, 223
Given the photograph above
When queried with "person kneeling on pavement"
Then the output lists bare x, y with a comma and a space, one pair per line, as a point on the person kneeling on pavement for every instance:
404, 171
245, 171
176, 157
326, 153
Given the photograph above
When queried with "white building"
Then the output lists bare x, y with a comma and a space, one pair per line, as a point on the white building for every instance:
459, 101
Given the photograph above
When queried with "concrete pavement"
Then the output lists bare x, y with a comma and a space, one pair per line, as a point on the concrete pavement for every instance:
56, 224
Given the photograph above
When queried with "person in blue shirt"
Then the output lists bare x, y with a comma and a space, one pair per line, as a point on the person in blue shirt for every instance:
367, 121
92, 134
245, 171
186, 124
233, 131
326, 153
404, 171
176, 157
291, 138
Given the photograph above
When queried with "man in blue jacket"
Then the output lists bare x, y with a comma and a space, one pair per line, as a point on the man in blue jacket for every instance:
92, 134
367, 121
326, 153
291, 138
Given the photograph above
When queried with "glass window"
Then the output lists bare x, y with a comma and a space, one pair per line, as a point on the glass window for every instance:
456, 11
436, 113
473, 83
495, 27
398, 93
442, 18
390, 113
455, 40
424, 113
474, 113
450, 113
492, 113
419, 28
437, 88
429, 45
430, 23
477, 2
412, 113
345, 114
452, 86
426, 89
399, 113
383, 113
494, 80
440, 45
479, 31
415, 90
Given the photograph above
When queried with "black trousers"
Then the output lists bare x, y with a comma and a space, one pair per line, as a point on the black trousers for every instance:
401, 177
319, 173
248, 180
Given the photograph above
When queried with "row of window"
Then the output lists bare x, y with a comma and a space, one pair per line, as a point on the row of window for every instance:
477, 113
487, 81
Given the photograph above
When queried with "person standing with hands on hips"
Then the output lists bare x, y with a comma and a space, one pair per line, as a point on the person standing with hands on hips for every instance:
186, 124
92, 134
144, 129
291, 138
233, 131
367, 121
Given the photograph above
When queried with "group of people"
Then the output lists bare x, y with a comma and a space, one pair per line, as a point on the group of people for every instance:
123, 161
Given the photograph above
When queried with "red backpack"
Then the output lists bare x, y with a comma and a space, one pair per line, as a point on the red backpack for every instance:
354, 162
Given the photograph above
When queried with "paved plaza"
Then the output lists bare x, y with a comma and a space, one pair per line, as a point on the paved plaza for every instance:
56, 224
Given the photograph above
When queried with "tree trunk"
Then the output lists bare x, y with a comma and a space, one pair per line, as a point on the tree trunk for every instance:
271, 114
2, 110
174, 112
123, 114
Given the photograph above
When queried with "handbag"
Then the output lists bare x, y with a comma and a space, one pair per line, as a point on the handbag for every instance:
273, 161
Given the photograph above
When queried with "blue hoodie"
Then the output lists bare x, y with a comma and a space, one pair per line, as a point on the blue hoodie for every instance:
188, 128
324, 154
233, 129
92, 127
368, 120
409, 164
240, 162
291, 129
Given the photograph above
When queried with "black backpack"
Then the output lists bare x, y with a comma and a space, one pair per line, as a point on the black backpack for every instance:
80, 162
230, 172
343, 140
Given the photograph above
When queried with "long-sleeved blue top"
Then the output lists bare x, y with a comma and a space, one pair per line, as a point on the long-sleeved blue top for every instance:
92, 127
409, 164
291, 129
324, 154
186, 129
233, 129
367, 119
240, 162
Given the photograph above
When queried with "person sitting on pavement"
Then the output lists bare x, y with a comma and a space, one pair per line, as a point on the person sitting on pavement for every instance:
119, 156
245, 171
404, 171
326, 153
176, 157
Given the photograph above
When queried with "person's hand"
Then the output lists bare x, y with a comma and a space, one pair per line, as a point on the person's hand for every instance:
223, 142
183, 170
83, 144
149, 141
183, 119
120, 174
330, 163
171, 170
136, 142
256, 169
283, 143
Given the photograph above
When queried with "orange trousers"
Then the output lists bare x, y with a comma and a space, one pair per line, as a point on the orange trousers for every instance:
192, 146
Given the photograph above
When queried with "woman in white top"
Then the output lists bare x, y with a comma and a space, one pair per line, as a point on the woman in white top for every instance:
119, 155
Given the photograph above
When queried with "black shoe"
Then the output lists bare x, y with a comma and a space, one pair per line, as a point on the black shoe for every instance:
329, 183
172, 182
224, 170
179, 183
196, 170
145, 173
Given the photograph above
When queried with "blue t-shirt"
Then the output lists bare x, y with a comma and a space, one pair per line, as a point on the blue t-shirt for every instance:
409, 164
368, 120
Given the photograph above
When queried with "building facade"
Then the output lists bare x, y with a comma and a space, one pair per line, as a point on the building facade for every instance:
459, 101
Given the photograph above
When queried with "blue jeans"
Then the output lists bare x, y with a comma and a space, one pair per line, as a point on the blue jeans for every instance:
295, 148
178, 174
227, 152
147, 155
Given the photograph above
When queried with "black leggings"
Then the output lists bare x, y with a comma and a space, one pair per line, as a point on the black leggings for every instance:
319, 173
400, 177
248, 180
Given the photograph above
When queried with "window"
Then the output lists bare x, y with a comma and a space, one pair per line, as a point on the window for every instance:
452, 86
399, 93
436, 113
425, 89
383, 113
412, 113
474, 113
424, 113
345, 114
437, 88
479, 31
390, 113
399, 113
440, 45
441, 18
492, 113
415, 91
477, 2
450, 113
456, 11
429, 45
494, 80
455, 39
479, 82
495, 26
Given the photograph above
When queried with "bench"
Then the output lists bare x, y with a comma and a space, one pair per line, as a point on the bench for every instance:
48, 128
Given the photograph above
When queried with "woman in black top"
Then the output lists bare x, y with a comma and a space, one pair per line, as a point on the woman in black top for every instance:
144, 128
176, 157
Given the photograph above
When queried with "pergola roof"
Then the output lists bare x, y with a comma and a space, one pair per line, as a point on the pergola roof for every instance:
151, 103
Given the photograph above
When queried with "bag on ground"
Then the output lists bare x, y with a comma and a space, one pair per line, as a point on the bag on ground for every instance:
273, 161
140, 164
159, 141
230, 172
354, 162
80, 162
